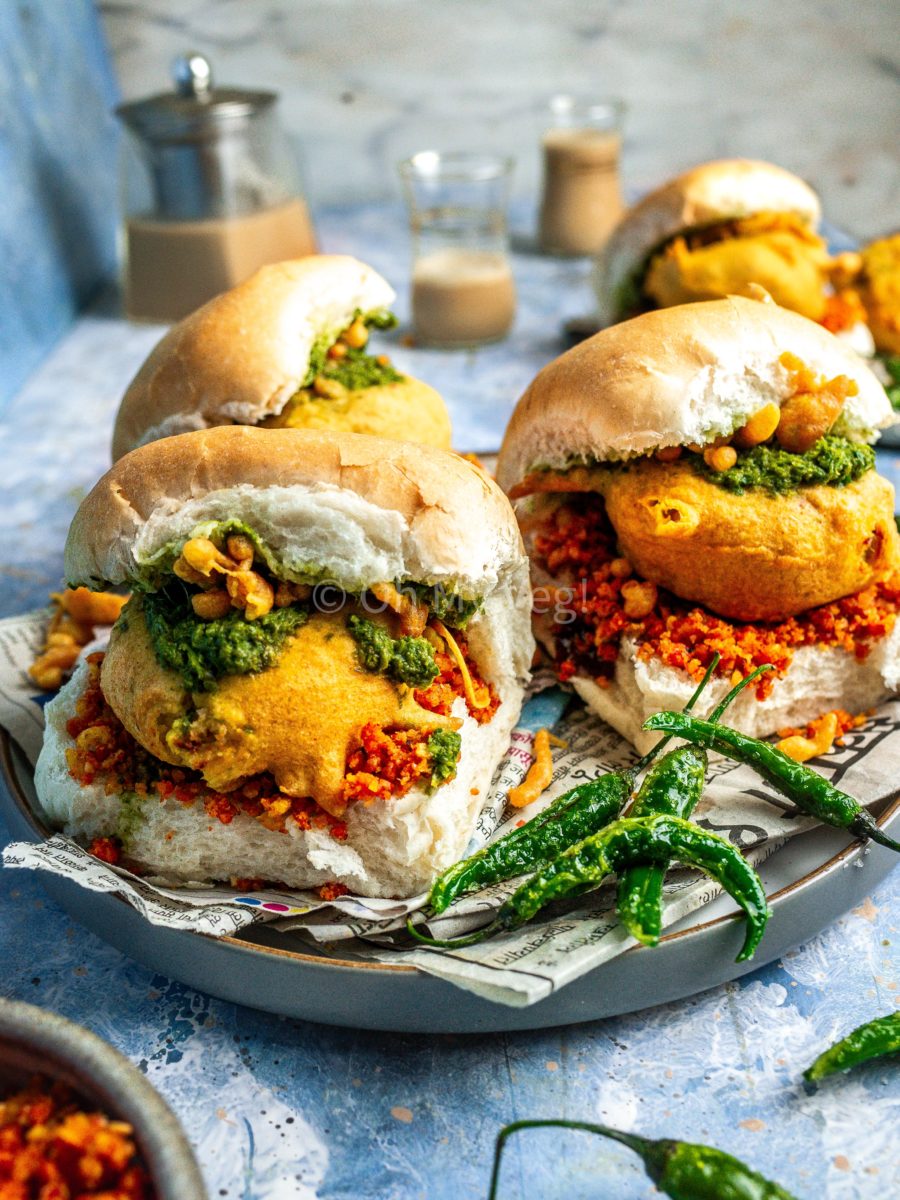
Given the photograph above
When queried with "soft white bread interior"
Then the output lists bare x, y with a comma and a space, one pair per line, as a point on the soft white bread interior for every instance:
713, 192
818, 680
394, 848
240, 357
346, 508
675, 376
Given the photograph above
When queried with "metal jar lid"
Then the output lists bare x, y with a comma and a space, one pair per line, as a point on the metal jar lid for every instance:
195, 110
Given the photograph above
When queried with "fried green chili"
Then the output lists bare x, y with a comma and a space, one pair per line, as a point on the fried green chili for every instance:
811, 792
673, 786
872, 1040
682, 1170
626, 842
571, 818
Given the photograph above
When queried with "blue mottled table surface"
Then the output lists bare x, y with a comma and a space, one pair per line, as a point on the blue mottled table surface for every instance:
278, 1109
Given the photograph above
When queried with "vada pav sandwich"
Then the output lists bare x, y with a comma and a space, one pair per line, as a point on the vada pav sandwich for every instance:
290, 347
699, 480
716, 231
317, 673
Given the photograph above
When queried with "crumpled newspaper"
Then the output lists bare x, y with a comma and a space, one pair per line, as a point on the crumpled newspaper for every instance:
517, 968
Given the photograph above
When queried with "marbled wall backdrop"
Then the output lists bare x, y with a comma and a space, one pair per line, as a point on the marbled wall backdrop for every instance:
814, 85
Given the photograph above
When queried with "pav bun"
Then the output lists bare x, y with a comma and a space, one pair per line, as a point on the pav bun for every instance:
672, 377
708, 194
241, 358
349, 511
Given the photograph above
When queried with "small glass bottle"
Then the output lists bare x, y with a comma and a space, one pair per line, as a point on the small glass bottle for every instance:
582, 197
211, 191
463, 292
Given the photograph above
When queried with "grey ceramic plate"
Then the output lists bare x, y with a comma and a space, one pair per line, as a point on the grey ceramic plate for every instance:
33, 1041
809, 883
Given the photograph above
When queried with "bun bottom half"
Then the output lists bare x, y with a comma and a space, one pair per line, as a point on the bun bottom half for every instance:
393, 849
818, 680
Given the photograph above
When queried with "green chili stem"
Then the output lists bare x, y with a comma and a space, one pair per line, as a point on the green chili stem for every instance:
811, 792
716, 715
682, 1170
632, 1141
875, 1039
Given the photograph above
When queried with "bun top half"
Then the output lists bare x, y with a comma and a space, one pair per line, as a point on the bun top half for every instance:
240, 357
713, 192
346, 508
677, 376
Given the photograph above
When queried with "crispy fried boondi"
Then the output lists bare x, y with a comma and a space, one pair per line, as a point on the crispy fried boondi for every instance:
752, 557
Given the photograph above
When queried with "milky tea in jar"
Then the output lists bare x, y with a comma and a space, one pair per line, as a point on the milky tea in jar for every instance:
582, 197
463, 294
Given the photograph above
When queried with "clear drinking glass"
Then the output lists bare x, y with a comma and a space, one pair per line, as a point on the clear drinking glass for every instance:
582, 197
463, 292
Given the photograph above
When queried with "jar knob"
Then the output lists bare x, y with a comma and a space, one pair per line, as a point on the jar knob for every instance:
192, 75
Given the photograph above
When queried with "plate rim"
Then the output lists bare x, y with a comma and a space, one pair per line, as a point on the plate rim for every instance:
890, 807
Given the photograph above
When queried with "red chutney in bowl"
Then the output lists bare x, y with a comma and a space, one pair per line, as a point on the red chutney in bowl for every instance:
55, 1147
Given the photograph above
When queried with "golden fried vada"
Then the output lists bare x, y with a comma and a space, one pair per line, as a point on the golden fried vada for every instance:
757, 556
379, 410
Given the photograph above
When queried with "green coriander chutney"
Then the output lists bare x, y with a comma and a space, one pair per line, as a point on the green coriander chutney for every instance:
833, 461
202, 652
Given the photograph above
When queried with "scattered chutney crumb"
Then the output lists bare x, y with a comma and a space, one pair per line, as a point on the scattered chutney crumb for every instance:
753, 1124
399, 1113
552, 1066
841, 1162
867, 910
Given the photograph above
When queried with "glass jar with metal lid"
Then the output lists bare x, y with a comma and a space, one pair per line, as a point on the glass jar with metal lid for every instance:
211, 191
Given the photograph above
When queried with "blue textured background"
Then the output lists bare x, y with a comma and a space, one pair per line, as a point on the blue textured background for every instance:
59, 202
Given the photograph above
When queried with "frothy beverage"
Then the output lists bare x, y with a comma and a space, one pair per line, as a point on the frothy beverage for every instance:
462, 297
175, 266
582, 197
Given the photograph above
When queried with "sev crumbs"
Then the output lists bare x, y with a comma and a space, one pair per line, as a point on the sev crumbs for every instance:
52, 1149
576, 544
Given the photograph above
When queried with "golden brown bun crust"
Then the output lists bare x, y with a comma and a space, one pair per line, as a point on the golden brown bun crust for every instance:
239, 358
672, 377
708, 194
455, 513
409, 411
755, 557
